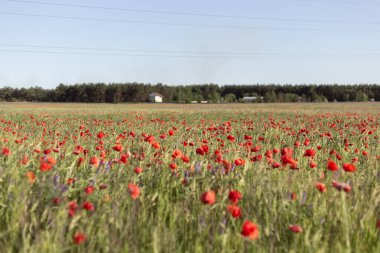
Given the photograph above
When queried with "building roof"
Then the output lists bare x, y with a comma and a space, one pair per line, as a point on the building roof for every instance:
155, 94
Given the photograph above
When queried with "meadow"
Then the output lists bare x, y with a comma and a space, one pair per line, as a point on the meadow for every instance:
190, 178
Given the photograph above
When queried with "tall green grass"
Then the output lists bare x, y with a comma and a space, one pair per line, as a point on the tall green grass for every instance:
168, 216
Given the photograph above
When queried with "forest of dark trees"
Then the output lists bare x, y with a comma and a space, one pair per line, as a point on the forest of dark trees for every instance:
138, 92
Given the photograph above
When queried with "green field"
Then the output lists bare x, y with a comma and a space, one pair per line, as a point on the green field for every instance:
373, 107
131, 177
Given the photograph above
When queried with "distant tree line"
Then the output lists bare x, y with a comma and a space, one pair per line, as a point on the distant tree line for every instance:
138, 92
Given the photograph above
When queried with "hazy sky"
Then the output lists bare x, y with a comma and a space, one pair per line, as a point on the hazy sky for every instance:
282, 41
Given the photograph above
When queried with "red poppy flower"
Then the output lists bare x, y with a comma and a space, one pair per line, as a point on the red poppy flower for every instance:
250, 230
73, 206
25, 160
149, 139
255, 149
309, 152
185, 159
320, 187
56, 201
341, 186
100, 135
5, 151
177, 153
349, 167
77, 150
313, 164
118, 148
80, 161
44, 166
205, 148
235, 211
88, 206
296, 228
199, 151
231, 138
89, 189
138, 170
234, 196
134, 190
173, 166
239, 162
286, 159
31, 176
79, 238
287, 152
70, 180
294, 165
51, 161
94, 161
208, 197
123, 159
156, 145
332, 166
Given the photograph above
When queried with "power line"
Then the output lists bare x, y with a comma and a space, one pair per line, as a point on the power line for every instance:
184, 53
201, 56
183, 24
125, 50
194, 14
339, 2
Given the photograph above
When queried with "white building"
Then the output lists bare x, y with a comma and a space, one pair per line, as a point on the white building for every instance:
251, 99
155, 97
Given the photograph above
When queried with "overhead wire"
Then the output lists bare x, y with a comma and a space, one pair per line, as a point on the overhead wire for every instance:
184, 24
181, 54
212, 15
201, 53
340, 2
258, 56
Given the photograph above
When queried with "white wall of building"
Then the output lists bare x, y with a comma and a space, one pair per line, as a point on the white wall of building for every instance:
158, 99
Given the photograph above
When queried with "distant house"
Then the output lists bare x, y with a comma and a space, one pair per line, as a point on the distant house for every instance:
155, 97
250, 99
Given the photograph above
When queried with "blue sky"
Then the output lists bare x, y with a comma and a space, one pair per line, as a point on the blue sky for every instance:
214, 49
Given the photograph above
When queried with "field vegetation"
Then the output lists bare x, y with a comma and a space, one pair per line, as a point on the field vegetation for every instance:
189, 178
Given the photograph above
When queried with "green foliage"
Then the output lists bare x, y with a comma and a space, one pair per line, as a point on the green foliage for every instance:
361, 96
138, 93
230, 98
168, 216
270, 97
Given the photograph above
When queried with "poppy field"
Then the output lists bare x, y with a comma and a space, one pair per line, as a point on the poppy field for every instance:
130, 178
